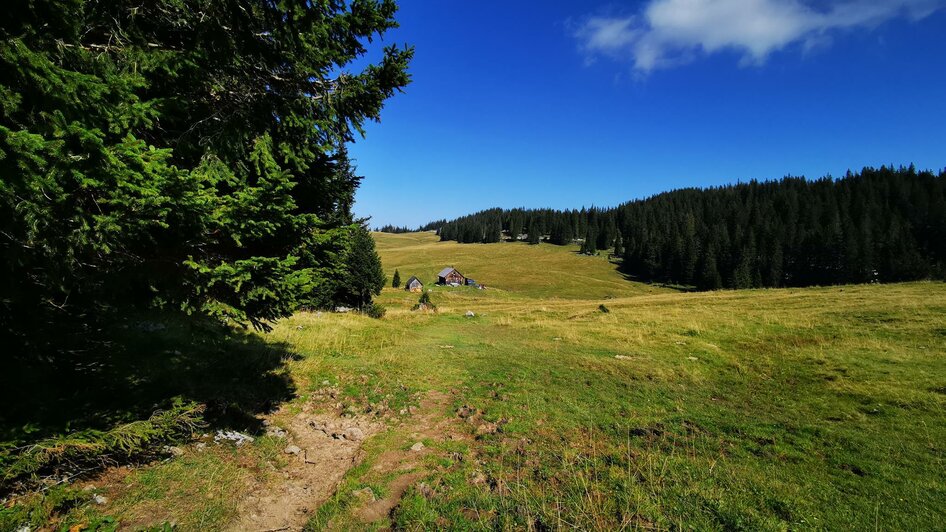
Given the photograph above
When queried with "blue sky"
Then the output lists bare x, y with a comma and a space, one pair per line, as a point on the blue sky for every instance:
566, 104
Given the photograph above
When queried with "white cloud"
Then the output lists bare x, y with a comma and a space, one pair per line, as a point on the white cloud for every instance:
669, 32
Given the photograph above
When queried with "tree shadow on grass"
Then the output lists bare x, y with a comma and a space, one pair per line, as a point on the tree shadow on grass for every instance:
140, 365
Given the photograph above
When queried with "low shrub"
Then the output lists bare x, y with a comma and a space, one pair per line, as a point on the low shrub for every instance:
375, 311
424, 303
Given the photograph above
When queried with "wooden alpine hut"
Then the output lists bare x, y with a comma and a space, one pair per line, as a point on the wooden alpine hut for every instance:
451, 276
414, 285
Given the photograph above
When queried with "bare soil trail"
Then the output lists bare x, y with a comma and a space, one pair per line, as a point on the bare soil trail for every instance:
434, 423
321, 448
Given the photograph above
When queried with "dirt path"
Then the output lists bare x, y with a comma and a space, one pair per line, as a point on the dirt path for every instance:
321, 449
433, 423
328, 446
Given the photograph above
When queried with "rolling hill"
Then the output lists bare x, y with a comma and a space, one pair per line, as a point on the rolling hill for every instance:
575, 398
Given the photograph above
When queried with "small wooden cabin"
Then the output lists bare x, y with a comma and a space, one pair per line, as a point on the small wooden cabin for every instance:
414, 285
451, 276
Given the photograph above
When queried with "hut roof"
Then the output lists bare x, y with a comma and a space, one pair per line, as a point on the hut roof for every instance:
446, 271
412, 279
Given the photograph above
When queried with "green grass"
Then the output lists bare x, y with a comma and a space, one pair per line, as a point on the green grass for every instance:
819, 408
194, 492
518, 269
764, 409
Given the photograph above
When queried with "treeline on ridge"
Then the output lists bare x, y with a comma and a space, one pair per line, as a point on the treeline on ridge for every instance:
398, 229
878, 225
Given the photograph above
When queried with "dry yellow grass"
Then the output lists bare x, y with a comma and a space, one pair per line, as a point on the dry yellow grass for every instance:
539, 271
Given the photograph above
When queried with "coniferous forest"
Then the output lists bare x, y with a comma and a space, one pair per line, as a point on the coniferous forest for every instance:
878, 225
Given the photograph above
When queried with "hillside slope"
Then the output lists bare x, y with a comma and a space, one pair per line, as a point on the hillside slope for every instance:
757, 409
539, 271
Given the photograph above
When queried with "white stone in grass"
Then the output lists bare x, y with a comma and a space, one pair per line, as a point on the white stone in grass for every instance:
354, 434
417, 447
177, 452
365, 495
275, 432
293, 450
238, 438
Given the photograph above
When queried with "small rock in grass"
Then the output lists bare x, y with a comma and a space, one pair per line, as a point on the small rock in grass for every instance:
177, 452
354, 434
486, 429
275, 432
692, 358
417, 447
365, 494
465, 411
469, 314
238, 438
99, 499
425, 490
293, 450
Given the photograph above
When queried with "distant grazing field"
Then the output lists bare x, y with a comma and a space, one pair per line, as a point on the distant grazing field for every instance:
542, 271
820, 408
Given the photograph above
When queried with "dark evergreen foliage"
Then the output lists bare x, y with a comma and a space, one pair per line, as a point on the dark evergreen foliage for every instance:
395, 229
432, 226
589, 246
363, 276
534, 232
396, 280
181, 153
878, 225
375, 310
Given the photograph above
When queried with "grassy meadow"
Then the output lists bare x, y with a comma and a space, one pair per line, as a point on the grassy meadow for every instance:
820, 408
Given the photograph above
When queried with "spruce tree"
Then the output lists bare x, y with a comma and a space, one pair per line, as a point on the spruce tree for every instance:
396, 280
589, 246
534, 233
709, 273
189, 155
619, 245
363, 276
